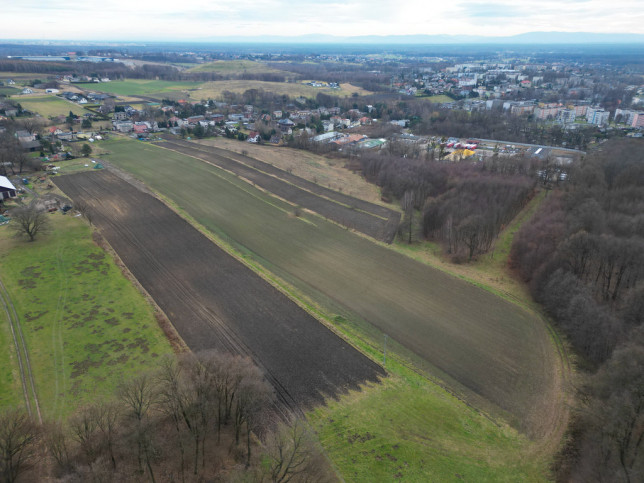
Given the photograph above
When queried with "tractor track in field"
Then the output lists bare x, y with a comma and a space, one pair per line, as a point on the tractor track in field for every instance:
22, 354
370, 219
216, 302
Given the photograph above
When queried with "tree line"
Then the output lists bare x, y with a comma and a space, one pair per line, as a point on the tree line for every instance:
583, 256
191, 419
462, 205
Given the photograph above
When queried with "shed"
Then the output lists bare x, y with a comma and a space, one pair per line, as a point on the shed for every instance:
7, 189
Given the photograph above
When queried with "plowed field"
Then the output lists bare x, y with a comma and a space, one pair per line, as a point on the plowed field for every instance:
373, 220
475, 341
213, 300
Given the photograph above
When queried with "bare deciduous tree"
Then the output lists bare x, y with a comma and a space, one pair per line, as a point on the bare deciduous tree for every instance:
292, 455
138, 397
18, 437
28, 221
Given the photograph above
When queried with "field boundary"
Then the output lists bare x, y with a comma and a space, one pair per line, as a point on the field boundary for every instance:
361, 216
24, 364
175, 340
277, 282
361, 342
207, 296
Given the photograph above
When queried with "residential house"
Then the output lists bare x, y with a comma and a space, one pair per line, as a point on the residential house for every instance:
24, 136
7, 189
254, 137
119, 116
286, 126
123, 126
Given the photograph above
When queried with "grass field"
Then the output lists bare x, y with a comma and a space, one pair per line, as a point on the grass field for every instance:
8, 91
85, 325
141, 87
50, 106
477, 342
408, 429
489, 269
236, 67
440, 99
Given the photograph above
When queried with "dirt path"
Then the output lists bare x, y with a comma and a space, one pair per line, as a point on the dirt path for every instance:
26, 376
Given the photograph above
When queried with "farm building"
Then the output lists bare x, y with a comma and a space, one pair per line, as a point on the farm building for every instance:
7, 189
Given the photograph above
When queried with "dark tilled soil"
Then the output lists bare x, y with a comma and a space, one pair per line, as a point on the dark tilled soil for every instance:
373, 220
213, 300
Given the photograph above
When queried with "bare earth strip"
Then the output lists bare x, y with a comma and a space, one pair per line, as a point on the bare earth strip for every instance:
213, 300
373, 220
477, 342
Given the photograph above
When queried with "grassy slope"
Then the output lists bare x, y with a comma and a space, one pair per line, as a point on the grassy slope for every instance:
86, 326
141, 87
410, 429
49, 106
410, 389
10, 387
437, 99
489, 270
8, 91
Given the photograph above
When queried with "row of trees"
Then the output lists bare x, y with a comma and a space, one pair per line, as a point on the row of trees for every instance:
583, 255
190, 420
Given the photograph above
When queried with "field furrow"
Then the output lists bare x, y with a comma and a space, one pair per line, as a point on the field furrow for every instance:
483, 346
213, 300
373, 220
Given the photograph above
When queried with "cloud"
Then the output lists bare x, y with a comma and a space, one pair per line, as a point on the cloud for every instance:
491, 10
198, 19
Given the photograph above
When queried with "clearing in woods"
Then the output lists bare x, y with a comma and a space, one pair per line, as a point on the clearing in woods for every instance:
480, 344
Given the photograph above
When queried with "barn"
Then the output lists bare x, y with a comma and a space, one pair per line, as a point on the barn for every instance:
7, 189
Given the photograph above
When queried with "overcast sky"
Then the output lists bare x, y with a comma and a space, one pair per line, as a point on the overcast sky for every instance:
208, 19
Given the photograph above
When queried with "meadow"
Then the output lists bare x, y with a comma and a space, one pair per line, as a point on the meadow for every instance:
86, 326
140, 87
50, 106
